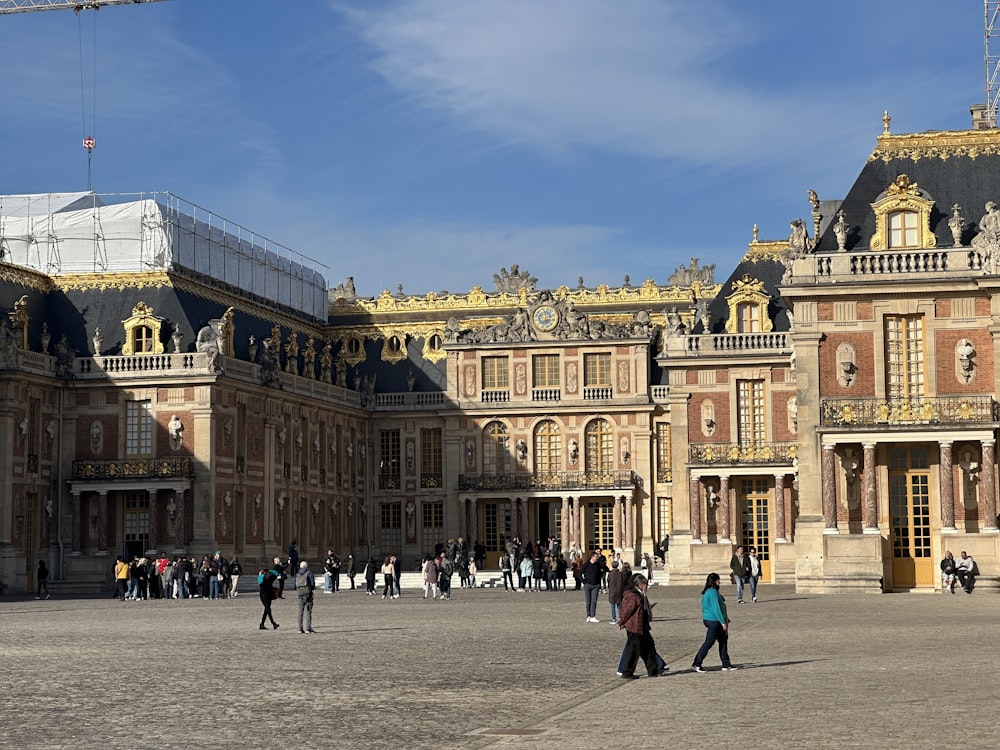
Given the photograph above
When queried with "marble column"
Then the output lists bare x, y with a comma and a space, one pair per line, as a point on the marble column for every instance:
154, 522
829, 491
103, 522
988, 486
575, 524
518, 527
617, 532
779, 508
870, 499
694, 500
75, 528
474, 521
629, 523
566, 524
946, 479
463, 530
723, 515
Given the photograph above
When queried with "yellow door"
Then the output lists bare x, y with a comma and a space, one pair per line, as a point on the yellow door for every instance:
600, 520
755, 531
910, 509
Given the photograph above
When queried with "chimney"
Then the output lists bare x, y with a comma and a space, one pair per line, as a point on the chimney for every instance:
980, 121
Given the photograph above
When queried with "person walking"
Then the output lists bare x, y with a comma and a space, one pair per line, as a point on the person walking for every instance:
279, 576
636, 614
716, 620
235, 571
591, 575
370, 573
305, 584
42, 580
754, 574
387, 574
616, 588
739, 564
265, 586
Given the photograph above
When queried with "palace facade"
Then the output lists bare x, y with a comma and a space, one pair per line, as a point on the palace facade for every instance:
172, 383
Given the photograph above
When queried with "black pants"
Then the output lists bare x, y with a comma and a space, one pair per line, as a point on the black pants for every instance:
265, 599
636, 646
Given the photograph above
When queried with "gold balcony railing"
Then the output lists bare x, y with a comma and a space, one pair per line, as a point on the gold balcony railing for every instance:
952, 410
742, 453
133, 468
559, 480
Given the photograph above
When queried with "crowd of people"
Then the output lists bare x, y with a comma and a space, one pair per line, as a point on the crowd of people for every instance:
179, 577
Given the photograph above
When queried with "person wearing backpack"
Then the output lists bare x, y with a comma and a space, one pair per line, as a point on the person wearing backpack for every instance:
305, 584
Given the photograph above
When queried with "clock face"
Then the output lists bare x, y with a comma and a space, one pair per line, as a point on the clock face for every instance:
546, 317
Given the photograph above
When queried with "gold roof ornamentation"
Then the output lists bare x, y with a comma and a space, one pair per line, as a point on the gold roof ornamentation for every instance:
941, 145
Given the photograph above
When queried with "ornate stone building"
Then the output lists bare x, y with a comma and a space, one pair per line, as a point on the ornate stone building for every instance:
172, 383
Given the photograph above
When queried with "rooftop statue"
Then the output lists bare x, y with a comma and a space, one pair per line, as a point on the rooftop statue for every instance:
509, 282
687, 276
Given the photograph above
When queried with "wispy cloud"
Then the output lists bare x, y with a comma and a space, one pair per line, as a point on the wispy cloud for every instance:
637, 78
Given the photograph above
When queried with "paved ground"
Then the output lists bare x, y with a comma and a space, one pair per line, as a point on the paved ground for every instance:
490, 669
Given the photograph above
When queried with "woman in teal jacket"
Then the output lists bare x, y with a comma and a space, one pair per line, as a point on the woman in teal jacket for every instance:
713, 614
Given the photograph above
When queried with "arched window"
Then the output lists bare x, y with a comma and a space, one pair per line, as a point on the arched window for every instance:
600, 446
496, 448
904, 229
548, 448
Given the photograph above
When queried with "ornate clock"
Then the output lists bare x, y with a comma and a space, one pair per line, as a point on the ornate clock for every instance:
545, 317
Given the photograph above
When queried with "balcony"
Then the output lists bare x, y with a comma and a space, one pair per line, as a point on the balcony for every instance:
742, 454
560, 480
888, 265
133, 468
546, 394
917, 412
431, 480
598, 393
408, 400
496, 396
739, 343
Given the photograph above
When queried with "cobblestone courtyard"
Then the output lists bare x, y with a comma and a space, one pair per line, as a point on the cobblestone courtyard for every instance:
496, 669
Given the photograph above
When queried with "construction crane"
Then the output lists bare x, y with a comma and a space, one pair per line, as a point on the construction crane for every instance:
992, 59
26, 6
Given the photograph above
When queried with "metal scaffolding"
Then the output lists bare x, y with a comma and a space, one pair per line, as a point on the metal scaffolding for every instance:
26, 6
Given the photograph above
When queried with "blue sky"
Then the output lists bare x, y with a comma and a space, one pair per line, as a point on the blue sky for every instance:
430, 142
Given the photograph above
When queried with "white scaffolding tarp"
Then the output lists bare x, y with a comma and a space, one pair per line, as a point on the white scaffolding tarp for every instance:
75, 233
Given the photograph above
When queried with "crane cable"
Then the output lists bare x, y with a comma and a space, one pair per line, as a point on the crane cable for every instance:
89, 139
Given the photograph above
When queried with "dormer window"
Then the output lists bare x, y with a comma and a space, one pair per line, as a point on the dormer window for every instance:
904, 229
748, 307
903, 217
142, 331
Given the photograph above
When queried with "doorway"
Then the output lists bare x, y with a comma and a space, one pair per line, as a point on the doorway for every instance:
754, 496
910, 511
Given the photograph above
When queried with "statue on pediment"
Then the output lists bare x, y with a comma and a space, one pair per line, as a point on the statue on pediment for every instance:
510, 282
987, 242
684, 276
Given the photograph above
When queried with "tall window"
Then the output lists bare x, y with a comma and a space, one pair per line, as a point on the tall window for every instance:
548, 448
600, 447
664, 470
496, 373
750, 405
433, 527
545, 370
138, 428
496, 448
903, 230
904, 356
596, 370
391, 536
389, 460
430, 458
748, 316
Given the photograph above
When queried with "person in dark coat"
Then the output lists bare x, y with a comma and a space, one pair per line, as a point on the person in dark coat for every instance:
265, 584
616, 587
636, 615
42, 580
